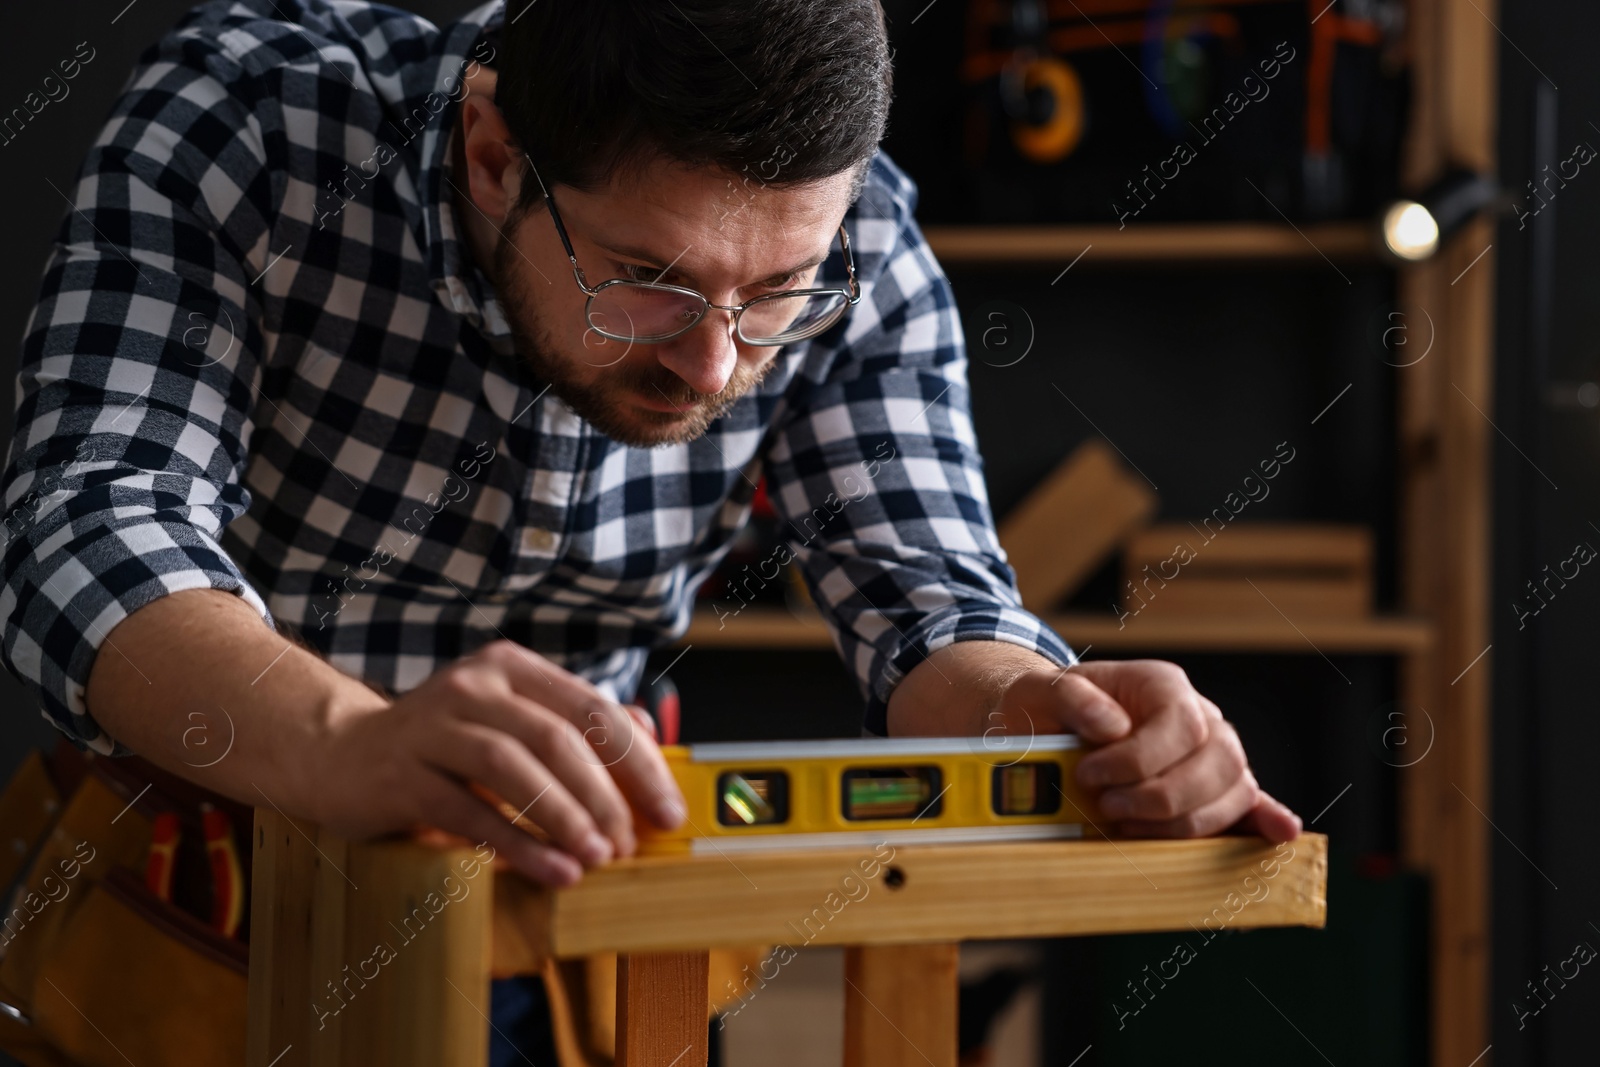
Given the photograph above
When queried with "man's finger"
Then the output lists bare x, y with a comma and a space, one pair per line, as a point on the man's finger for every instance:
540, 680
452, 807
611, 737
1168, 735
617, 742
1212, 818
560, 748
1271, 819
1139, 685
1189, 784
1054, 700
499, 759
646, 721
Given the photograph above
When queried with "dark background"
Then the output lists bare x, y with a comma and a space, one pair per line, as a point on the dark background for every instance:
1195, 375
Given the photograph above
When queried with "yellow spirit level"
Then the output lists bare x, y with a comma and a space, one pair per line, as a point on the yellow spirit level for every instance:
744, 796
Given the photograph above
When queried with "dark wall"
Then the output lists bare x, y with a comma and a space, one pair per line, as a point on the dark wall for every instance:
1547, 871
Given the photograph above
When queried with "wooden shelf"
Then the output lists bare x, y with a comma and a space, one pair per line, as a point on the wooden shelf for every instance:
1165, 243
778, 629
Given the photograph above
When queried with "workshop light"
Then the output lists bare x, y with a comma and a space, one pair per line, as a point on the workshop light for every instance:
1410, 231
1413, 228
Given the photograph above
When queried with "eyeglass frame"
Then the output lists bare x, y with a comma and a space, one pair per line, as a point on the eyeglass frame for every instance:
852, 295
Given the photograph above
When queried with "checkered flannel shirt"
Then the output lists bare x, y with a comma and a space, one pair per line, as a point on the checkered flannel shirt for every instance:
264, 361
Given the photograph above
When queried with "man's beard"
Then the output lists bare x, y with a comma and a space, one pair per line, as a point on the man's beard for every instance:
604, 406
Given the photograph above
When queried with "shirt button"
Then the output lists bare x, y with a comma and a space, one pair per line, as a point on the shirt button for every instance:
537, 539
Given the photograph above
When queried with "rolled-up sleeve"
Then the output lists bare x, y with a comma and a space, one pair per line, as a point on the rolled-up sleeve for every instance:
876, 472
138, 376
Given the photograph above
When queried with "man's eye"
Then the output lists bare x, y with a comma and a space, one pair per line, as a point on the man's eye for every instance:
638, 272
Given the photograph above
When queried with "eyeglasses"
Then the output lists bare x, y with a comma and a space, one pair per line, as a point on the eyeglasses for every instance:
647, 312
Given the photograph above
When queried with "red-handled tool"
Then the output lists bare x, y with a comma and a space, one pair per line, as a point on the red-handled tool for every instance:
227, 877
660, 699
160, 861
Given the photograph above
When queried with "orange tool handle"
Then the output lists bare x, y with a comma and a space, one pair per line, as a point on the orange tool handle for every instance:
227, 878
159, 861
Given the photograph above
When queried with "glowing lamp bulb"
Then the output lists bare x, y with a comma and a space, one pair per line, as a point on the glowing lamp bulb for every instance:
1410, 230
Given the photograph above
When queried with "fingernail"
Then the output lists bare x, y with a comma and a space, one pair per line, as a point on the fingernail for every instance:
595, 848
1104, 717
644, 720
556, 871
669, 813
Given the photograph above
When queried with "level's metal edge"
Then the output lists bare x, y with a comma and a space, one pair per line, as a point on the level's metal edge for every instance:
932, 835
1000, 752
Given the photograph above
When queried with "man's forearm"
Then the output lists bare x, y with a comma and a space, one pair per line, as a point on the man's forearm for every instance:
198, 684
953, 691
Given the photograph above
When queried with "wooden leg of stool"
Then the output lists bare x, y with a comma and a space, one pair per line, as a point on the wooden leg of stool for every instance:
900, 1005
662, 1007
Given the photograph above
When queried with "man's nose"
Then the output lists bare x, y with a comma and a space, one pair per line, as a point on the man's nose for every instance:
705, 356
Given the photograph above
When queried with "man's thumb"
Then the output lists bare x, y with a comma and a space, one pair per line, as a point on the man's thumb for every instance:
1082, 706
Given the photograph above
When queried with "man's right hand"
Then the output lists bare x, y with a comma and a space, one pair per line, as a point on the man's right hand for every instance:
505, 718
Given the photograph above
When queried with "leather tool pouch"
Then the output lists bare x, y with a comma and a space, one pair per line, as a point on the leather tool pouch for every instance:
94, 968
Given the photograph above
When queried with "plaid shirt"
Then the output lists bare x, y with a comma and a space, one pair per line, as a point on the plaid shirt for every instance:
264, 361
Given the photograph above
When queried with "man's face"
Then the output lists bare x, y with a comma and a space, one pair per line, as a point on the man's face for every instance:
730, 244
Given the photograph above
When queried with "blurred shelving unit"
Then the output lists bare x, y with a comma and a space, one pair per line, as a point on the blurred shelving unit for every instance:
1441, 633
1253, 242
778, 628
1445, 465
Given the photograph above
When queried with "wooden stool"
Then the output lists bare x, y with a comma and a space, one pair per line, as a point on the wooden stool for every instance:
382, 953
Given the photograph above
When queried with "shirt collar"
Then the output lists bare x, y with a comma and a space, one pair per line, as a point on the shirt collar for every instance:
455, 276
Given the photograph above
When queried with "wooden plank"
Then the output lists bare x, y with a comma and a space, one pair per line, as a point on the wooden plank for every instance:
900, 1005
1469, 49
330, 903
1249, 569
1261, 597
521, 930
282, 886
1445, 484
319, 984
1157, 243
1468, 82
662, 1007
1072, 521
775, 628
1222, 633
1264, 545
932, 893
1461, 781
414, 973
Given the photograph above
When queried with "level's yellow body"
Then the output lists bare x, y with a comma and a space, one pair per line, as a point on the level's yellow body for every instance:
795, 794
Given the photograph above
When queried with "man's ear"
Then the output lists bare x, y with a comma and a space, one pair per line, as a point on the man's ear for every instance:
493, 163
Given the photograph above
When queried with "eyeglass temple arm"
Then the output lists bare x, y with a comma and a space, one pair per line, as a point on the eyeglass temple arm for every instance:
850, 265
561, 229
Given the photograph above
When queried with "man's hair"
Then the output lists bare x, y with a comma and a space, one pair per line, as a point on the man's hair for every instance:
775, 92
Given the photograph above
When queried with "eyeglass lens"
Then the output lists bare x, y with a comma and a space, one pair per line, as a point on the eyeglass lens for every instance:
641, 312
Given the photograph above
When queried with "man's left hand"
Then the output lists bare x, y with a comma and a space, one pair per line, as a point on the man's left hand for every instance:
1164, 761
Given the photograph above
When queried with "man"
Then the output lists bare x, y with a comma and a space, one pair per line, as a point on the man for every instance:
369, 456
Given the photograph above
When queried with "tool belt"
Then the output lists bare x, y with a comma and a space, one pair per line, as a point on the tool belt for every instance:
95, 964
125, 924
